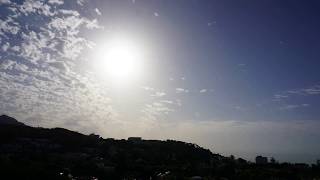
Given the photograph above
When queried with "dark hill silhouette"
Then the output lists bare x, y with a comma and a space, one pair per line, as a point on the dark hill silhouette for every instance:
39, 153
7, 120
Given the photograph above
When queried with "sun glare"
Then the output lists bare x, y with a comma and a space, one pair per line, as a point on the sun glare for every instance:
120, 60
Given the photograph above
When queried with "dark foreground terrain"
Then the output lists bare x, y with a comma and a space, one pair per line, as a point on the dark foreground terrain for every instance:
39, 153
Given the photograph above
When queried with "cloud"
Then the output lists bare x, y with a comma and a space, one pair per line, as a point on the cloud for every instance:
159, 94
293, 106
98, 11
7, 64
181, 90
8, 26
5, 2
5, 46
167, 101
211, 23
31, 6
156, 111
308, 91
58, 2
80, 2
147, 88
60, 65
40, 83
279, 96
203, 90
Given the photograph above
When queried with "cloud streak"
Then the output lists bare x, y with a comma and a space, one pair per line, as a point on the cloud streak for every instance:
308, 91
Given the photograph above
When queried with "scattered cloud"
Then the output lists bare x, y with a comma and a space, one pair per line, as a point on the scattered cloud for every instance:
293, 106
309, 91
8, 26
157, 108
203, 90
181, 90
279, 96
80, 2
38, 7
5, 46
58, 2
211, 23
159, 94
98, 12
40, 83
167, 101
5, 2
147, 88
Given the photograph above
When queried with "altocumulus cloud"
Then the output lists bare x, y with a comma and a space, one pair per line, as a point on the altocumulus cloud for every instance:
42, 43
39, 84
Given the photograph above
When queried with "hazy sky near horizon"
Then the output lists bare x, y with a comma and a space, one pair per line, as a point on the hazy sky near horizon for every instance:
238, 77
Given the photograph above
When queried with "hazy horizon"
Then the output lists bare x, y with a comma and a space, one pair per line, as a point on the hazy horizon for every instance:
237, 77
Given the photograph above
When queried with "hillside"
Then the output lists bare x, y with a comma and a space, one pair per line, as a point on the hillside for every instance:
7, 120
39, 153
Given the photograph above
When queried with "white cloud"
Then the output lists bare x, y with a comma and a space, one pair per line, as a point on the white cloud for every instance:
5, 1
98, 12
167, 101
203, 90
279, 96
5, 46
156, 110
147, 88
8, 26
40, 84
211, 23
67, 23
93, 24
58, 2
293, 106
309, 91
15, 48
7, 64
31, 6
69, 12
181, 90
81, 2
31, 47
159, 94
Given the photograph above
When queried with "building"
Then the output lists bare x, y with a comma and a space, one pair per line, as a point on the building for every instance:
261, 160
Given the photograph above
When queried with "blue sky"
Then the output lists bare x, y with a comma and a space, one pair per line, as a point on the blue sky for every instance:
238, 77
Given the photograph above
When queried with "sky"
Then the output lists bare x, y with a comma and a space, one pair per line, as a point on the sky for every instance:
237, 77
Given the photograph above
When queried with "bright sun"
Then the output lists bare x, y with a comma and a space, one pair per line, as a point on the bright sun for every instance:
120, 59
